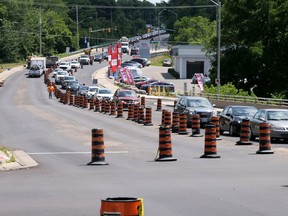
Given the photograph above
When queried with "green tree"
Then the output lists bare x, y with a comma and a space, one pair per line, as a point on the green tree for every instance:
194, 30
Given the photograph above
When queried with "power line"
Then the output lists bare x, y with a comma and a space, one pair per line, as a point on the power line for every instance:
113, 7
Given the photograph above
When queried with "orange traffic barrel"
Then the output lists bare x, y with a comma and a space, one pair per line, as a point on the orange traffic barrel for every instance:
210, 150
113, 108
159, 104
71, 99
141, 115
163, 116
81, 101
66, 98
245, 133
148, 117
135, 112
174, 105
264, 139
97, 155
165, 145
107, 106
85, 104
215, 120
122, 206
97, 105
119, 110
175, 122
130, 112
196, 126
182, 124
91, 103
143, 101
103, 103
167, 119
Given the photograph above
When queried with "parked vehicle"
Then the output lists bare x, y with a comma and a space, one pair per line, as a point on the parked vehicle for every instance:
159, 86
37, 66
75, 64
139, 84
140, 79
133, 63
104, 94
167, 63
231, 117
126, 96
278, 120
145, 62
195, 105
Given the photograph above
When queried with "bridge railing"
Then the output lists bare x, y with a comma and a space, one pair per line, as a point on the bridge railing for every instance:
247, 99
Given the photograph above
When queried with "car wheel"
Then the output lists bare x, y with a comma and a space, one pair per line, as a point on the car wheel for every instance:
221, 132
232, 130
252, 136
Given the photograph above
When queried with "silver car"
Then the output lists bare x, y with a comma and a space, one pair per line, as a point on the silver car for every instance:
278, 119
195, 105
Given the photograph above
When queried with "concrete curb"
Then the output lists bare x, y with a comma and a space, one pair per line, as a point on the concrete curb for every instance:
23, 161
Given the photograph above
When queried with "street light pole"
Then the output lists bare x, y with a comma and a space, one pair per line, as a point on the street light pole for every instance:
77, 27
218, 6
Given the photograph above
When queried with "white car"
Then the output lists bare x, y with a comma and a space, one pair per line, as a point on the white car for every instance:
104, 94
66, 65
92, 90
59, 75
75, 64
56, 71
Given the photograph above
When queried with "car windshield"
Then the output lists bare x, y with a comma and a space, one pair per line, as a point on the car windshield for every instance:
127, 94
61, 73
73, 83
84, 88
244, 111
198, 103
93, 89
104, 91
277, 115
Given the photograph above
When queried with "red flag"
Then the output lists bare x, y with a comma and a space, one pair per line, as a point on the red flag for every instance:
110, 56
119, 45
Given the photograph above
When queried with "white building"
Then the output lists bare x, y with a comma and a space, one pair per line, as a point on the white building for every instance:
190, 59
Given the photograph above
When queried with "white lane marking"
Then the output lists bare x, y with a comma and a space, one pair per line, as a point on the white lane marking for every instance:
62, 153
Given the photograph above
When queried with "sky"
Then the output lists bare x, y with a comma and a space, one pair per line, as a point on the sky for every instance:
156, 1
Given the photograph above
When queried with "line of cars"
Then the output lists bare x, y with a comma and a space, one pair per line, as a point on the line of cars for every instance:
231, 117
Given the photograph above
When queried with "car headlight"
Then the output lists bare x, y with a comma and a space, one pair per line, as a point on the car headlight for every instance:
191, 112
214, 113
274, 127
237, 119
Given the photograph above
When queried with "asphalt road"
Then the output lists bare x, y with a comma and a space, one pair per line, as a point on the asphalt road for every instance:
58, 137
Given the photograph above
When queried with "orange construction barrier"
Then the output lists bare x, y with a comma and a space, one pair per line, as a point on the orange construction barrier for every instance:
71, 99
113, 108
148, 117
107, 106
130, 112
122, 206
91, 103
98, 155
103, 104
165, 145
119, 110
135, 112
264, 139
167, 119
175, 122
196, 126
97, 105
143, 101
141, 115
183, 124
245, 133
215, 120
159, 104
210, 150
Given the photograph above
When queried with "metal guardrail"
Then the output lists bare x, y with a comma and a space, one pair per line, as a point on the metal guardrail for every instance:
247, 99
